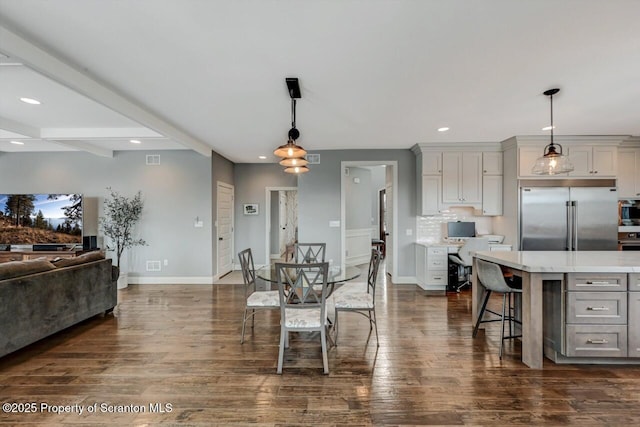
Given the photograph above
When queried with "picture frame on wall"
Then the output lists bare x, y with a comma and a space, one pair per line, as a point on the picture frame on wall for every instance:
251, 209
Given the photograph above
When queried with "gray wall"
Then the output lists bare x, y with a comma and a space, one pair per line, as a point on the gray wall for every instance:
221, 170
250, 183
357, 196
319, 202
175, 193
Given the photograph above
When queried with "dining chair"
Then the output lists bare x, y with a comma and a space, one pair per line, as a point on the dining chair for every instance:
492, 278
359, 297
302, 307
309, 252
254, 299
464, 257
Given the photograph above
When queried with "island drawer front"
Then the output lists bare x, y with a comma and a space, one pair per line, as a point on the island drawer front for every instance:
437, 278
597, 308
634, 281
596, 340
597, 281
634, 324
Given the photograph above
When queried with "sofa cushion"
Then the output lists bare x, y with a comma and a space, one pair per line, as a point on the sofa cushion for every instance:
80, 259
11, 269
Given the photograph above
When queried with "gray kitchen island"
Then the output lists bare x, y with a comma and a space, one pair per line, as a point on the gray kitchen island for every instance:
581, 305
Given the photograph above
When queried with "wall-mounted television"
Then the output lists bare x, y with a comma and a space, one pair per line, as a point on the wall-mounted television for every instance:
40, 219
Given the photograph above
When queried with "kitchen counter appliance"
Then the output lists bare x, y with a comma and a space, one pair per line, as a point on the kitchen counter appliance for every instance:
629, 241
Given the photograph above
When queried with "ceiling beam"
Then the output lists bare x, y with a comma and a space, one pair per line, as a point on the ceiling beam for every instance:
84, 146
50, 66
19, 128
99, 133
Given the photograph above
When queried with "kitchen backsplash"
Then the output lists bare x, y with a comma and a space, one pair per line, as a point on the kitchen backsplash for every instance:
431, 229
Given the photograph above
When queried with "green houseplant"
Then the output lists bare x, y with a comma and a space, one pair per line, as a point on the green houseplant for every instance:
121, 214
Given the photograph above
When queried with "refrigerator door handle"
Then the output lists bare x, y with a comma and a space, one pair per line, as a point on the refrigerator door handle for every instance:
575, 224
569, 227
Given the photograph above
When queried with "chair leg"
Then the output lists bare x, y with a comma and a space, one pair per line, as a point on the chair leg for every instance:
323, 339
504, 305
335, 328
481, 314
244, 322
283, 334
253, 318
375, 324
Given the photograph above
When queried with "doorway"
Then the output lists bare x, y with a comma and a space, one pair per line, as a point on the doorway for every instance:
224, 228
281, 221
367, 207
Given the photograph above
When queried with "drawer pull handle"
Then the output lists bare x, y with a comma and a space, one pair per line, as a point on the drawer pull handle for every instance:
595, 282
598, 308
437, 278
602, 341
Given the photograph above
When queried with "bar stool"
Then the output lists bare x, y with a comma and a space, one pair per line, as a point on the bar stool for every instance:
491, 277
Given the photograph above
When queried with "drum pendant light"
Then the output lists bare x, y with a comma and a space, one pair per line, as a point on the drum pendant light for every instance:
552, 161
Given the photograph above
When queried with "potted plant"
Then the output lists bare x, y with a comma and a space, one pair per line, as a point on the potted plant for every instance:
121, 214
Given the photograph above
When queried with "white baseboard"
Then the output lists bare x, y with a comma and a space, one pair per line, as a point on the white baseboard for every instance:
199, 280
404, 280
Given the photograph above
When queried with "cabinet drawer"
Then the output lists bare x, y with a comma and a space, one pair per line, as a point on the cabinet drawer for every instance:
7, 257
597, 308
596, 341
437, 278
634, 282
437, 263
596, 282
437, 250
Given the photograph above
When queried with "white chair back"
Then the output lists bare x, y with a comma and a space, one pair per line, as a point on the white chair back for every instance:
470, 247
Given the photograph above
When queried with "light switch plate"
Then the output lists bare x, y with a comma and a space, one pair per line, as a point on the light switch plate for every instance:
334, 223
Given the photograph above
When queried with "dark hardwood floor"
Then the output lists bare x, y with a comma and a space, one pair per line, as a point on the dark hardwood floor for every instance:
177, 348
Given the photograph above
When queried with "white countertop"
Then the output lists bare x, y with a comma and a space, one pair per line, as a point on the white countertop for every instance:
566, 262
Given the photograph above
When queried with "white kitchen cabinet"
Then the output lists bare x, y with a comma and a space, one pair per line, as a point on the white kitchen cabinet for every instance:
629, 173
527, 156
462, 178
432, 163
430, 195
492, 163
431, 267
492, 195
593, 161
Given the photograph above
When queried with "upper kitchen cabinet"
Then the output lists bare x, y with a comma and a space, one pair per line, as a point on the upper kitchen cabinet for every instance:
593, 161
592, 157
629, 173
462, 178
432, 163
492, 163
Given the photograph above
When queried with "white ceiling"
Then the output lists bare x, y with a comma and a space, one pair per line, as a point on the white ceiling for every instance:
374, 73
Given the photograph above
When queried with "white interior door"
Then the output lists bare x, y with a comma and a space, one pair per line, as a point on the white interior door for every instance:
389, 249
225, 228
282, 220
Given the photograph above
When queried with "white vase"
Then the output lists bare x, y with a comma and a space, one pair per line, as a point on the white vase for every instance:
123, 281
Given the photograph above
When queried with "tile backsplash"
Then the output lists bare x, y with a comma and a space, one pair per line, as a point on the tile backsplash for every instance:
431, 229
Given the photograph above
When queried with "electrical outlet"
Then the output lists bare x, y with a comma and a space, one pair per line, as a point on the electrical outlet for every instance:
166, 262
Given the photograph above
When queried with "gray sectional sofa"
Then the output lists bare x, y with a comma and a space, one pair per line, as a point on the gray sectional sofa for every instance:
39, 298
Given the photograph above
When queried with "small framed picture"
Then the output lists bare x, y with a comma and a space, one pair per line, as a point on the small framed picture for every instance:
251, 209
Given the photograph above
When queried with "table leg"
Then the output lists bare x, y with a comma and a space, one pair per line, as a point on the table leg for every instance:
477, 290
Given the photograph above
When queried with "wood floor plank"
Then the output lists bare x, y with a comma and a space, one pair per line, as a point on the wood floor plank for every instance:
179, 345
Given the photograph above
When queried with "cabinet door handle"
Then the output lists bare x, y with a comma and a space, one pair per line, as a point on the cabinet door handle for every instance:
597, 308
602, 341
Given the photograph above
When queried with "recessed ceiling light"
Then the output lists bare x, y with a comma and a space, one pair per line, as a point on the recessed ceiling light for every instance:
135, 141
443, 129
30, 101
548, 127
262, 157
17, 142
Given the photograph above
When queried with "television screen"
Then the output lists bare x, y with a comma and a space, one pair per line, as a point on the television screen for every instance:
32, 219
461, 229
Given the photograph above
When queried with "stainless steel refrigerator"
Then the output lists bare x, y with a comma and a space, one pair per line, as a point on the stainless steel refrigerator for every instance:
568, 218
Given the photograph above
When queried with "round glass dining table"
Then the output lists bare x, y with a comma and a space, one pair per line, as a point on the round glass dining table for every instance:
337, 274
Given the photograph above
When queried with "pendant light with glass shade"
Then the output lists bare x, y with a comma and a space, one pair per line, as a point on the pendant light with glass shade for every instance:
552, 161
292, 154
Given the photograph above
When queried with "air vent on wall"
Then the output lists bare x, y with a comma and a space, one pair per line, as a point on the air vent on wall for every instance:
313, 159
154, 266
153, 159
